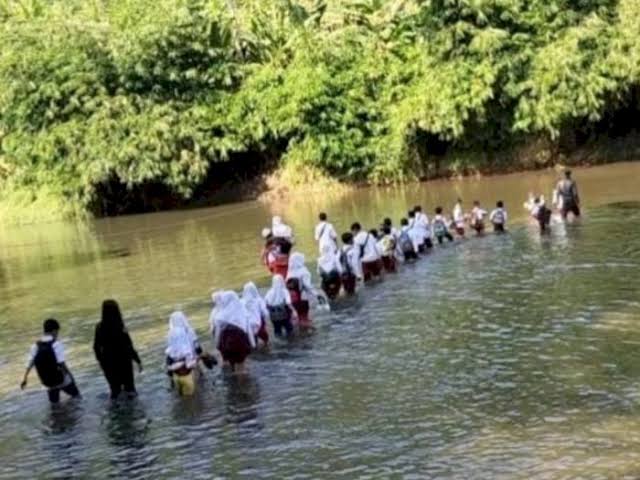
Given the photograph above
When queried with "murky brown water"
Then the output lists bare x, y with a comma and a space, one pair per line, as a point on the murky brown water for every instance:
512, 357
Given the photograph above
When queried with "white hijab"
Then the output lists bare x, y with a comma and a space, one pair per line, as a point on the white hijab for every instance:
230, 311
279, 229
181, 339
299, 271
215, 298
278, 293
254, 304
327, 260
297, 268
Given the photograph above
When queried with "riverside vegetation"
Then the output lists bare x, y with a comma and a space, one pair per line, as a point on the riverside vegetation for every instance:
110, 106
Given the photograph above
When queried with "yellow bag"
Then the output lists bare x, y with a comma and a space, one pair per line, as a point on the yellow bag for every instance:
185, 384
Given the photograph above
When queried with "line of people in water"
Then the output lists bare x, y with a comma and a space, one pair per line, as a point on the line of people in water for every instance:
238, 324
366, 254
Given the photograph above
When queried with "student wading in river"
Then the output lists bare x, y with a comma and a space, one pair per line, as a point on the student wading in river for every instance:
325, 234
367, 247
280, 306
231, 327
567, 191
114, 351
47, 356
182, 354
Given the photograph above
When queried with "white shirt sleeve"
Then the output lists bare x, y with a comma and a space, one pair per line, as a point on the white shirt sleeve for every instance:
308, 290
332, 233
58, 350
338, 264
250, 335
354, 260
32, 354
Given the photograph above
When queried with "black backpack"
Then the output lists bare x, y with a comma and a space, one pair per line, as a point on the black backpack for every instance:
293, 284
344, 261
46, 364
544, 215
279, 313
406, 245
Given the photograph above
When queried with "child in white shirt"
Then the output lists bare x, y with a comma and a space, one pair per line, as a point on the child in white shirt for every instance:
498, 217
440, 229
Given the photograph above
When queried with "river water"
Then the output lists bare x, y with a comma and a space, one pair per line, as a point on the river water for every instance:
502, 357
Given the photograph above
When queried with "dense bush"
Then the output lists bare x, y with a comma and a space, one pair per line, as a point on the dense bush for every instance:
156, 91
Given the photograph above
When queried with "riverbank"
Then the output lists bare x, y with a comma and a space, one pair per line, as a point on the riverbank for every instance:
540, 154
282, 184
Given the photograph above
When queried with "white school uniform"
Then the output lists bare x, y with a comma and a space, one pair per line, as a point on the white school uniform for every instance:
325, 234
368, 243
423, 225
440, 219
329, 261
458, 216
499, 214
280, 229
352, 256
415, 236
478, 214
58, 350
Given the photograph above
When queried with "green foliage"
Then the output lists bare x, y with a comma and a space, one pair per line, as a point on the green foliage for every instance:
155, 91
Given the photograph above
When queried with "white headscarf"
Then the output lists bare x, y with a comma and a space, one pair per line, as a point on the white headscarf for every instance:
255, 305
215, 298
279, 229
181, 340
299, 271
297, 268
278, 293
229, 311
327, 262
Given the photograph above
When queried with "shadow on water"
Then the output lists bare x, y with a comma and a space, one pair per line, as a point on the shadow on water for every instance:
62, 439
64, 417
128, 430
242, 400
126, 423
201, 406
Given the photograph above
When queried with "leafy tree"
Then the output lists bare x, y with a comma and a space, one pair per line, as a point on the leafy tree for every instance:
131, 93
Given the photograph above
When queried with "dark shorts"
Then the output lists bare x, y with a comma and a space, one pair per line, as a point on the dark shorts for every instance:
302, 309
280, 325
410, 255
570, 207
428, 243
349, 283
263, 334
498, 227
478, 227
234, 345
281, 322
371, 269
460, 231
389, 264
70, 389
331, 284
444, 235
